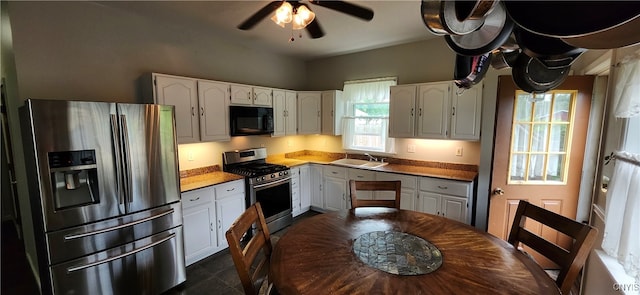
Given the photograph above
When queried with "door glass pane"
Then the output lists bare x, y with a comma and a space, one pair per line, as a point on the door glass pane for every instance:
561, 107
518, 165
555, 167
536, 167
539, 138
541, 132
521, 137
558, 138
541, 110
523, 109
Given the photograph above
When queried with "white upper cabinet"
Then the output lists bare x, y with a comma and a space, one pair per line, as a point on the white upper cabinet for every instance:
213, 99
333, 108
309, 112
284, 112
251, 95
182, 93
435, 111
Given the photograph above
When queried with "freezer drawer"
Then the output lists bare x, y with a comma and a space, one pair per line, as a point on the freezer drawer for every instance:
83, 240
147, 266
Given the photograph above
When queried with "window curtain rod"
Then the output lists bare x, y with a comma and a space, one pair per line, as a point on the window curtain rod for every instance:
371, 80
627, 157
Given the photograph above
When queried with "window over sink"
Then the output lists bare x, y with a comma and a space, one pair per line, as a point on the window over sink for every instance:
365, 125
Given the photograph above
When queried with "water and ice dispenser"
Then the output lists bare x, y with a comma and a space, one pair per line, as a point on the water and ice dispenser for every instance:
74, 178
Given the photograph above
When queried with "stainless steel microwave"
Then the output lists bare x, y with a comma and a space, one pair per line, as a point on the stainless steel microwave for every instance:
250, 120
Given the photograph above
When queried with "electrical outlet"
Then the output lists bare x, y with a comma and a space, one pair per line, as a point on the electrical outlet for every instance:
411, 148
459, 151
190, 156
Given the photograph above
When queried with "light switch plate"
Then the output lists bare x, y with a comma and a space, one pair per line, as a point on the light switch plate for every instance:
459, 151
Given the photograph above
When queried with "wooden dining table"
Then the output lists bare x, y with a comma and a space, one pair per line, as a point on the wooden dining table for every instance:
328, 254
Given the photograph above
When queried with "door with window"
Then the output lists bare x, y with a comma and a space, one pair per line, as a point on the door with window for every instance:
538, 153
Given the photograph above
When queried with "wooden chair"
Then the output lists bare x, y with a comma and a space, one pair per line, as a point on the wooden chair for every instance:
570, 260
374, 186
253, 272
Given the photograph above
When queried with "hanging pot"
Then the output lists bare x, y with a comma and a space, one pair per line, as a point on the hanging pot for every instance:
471, 10
494, 32
504, 59
533, 76
564, 19
621, 36
551, 51
440, 18
470, 70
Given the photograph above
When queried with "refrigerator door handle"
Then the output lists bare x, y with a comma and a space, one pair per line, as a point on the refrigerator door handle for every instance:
115, 138
108, 229
126, 159
81, 267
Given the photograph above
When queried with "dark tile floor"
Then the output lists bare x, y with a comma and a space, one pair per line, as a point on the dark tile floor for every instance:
213, 275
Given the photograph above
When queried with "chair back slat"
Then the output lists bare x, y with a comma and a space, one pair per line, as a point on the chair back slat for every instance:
355, 185
570, 260
244, 252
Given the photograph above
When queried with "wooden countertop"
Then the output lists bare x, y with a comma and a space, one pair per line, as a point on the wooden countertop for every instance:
207, 179
453, 174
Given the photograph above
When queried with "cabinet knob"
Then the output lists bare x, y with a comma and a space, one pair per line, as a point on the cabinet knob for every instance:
442, 187
193, 200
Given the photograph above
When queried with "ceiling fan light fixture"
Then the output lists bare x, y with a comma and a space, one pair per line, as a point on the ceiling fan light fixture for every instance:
303, 17
283, 15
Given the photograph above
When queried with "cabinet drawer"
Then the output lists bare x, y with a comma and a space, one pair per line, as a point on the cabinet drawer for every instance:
197, 197
408, 181
442, 186
229, 188
333, 171
360, 174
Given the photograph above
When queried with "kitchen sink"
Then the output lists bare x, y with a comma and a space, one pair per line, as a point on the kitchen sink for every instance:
356, 163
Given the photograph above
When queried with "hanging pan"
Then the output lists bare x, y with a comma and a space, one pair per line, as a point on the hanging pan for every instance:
494, 32
552, 52
533, 76
470, 70
440, 18
626, 34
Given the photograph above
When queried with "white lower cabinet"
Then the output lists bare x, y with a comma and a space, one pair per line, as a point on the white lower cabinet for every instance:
315, 186
207, 214
408, 192
334, 188
295, 191
448, 198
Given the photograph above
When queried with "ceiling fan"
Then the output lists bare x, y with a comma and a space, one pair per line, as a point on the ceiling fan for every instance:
313, 28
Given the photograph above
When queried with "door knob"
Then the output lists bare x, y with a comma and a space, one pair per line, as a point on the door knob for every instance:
498, 191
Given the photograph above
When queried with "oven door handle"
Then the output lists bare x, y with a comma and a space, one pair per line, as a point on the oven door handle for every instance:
272, 183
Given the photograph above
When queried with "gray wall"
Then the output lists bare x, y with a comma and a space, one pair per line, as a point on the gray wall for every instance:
84, 50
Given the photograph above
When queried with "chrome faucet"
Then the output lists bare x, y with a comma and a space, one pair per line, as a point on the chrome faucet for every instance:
371, 158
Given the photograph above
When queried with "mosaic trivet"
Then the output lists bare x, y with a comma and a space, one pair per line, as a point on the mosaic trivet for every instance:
397, 253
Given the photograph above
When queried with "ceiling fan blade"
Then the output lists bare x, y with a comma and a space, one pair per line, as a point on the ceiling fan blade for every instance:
260, 15
347, 8
314, 29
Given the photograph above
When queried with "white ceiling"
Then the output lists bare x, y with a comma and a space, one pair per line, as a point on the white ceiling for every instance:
394, 22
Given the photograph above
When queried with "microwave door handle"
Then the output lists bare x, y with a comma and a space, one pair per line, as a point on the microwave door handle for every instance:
115, 140
272, 183
112, 258
126, 159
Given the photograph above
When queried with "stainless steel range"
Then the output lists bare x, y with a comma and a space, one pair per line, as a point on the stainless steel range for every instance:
269, 184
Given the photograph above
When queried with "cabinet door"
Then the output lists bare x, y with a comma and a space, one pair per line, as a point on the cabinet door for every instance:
332, 112
305, 188
241, 94
228, 209
279, 113
466, 110
262, 96
316, 190
291, 114
361, 175
433, 110
182, 93
309, 112
200, 238
335, 193
213, 99
429, 203
402, 110
454, 208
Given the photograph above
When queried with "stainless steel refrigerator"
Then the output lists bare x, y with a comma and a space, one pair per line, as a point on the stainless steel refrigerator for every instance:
104, 196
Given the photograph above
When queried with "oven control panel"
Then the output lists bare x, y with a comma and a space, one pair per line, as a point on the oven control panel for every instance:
270, 177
